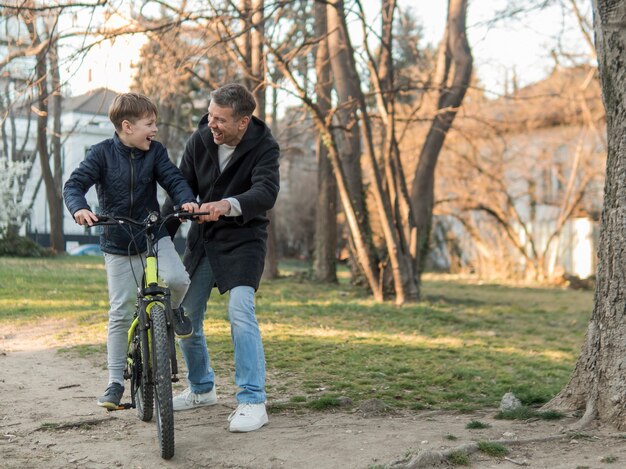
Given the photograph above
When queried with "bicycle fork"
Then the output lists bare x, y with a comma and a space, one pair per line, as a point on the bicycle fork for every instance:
142, 320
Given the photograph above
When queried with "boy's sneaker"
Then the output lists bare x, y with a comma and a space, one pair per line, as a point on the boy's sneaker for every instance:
112, 396
190, 400
248, 417
182, 324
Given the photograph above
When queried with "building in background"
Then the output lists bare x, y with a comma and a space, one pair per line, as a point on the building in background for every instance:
84, 122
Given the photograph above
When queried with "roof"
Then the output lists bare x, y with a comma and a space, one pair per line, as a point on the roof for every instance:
95, 102
568, 96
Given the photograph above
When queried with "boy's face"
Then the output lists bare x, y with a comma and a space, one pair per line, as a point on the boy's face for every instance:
225, 127
139, 134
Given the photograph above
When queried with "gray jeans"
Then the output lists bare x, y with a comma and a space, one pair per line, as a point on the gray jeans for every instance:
123, 275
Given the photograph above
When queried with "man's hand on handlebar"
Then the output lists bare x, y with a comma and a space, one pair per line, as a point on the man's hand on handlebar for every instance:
85, 217
215, 210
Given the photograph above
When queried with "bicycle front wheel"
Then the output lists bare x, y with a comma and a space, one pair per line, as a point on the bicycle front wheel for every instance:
142, 385
162, 374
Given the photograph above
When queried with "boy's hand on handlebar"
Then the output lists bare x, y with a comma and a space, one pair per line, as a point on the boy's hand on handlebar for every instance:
85, 217
215, 209
190, 207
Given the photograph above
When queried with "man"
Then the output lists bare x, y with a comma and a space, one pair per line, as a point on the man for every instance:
231, 164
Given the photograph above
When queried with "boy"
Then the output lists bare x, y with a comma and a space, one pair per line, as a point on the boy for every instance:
125, 170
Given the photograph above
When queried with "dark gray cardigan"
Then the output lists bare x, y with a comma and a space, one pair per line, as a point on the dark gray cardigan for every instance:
235, 246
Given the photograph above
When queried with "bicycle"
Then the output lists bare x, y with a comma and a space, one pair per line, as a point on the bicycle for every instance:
151, 364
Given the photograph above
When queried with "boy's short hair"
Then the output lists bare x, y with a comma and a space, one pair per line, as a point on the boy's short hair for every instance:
131, 107
236, 97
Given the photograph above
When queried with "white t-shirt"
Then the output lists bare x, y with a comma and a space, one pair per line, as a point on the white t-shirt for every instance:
224, 153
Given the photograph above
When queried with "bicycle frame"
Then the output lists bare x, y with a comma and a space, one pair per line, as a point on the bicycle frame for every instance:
151, 353
150, 294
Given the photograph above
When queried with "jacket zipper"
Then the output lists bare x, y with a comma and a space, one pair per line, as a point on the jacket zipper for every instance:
132, 183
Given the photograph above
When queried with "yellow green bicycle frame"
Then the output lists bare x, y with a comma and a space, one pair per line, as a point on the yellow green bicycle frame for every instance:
151, 277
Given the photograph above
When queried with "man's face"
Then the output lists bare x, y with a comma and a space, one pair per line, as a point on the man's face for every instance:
225, 127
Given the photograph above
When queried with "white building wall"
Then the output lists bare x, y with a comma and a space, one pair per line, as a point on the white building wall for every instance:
79, 132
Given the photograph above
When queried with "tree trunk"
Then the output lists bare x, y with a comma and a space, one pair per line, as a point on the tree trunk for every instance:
244, 42
52, 181
456, 71
362, 245
257, 56
56, 204
597, 383
324, 257
257, 80
348, 135
398, 254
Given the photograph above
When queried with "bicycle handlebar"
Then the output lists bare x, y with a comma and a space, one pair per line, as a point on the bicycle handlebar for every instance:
152, 219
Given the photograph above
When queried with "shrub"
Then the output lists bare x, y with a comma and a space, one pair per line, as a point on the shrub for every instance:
476, 424
19, 246
492, 449
458, 458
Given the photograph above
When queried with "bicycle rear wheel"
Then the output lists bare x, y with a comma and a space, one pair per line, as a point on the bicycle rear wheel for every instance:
162, 374
142, 386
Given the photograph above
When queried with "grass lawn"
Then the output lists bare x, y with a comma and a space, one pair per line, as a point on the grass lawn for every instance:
462, 347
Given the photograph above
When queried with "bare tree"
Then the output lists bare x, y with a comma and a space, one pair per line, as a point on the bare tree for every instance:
454, 74
325, 257
47, 67
347, 85
597, 383
14, 151
523, 175
347, 129
32, 65
258, 71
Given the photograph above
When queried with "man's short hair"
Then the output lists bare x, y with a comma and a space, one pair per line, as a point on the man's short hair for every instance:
131, 107
236, 97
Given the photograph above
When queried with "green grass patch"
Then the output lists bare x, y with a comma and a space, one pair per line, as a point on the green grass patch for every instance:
525, 413
550, 415
461, 348
324, 403
493, 449
459, 458
476, 425
85, 350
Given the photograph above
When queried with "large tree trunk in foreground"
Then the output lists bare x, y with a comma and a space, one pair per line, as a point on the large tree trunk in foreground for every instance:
597, 383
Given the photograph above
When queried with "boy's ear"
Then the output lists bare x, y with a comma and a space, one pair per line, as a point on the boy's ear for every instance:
126, 126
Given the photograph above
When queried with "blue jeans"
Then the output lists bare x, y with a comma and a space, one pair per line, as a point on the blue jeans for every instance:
244, 331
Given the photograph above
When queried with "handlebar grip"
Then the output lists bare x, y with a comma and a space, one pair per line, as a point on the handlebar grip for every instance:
103, 223
189, 215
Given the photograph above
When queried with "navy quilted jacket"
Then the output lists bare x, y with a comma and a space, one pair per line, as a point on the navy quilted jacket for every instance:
125, 180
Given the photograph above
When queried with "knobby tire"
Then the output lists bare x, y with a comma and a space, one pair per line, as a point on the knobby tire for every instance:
162, 374
144, 394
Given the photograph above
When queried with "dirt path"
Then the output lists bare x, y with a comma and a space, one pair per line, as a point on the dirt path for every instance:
48, 419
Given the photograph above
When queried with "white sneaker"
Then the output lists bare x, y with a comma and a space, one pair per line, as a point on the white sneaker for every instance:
248, 417
190, 400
